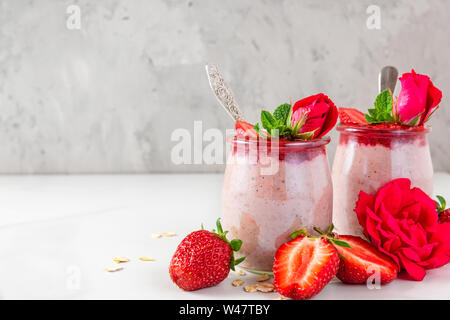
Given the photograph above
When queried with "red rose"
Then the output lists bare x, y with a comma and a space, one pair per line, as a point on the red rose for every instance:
403, 223
418, 98
321, 114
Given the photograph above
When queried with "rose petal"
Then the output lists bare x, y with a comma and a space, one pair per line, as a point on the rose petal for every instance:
434, 97
415, 271
412, 99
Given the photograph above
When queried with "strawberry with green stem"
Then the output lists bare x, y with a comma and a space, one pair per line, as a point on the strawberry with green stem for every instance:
204, 259
443, 213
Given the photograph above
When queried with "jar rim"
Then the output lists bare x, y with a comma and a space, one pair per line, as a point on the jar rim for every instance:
283, 143
359, 129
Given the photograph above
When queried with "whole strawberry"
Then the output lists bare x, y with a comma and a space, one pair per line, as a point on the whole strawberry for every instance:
204, 259
444, 214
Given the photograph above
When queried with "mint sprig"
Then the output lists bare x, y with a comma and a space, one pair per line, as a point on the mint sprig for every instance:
279, 123
382, 111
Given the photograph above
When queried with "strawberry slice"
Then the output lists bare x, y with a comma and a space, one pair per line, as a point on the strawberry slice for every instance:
362, 261
245, 129
351, 116
304, 266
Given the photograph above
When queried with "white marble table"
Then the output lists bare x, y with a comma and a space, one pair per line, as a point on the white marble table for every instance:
58, 233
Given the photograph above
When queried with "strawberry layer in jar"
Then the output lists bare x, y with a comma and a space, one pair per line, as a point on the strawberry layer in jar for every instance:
269, 191
367, 157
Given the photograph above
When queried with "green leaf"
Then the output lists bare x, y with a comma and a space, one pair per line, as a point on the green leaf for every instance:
330, 228
281, 113
340, 243
306, 135
342, 257
319, 231
219, 227
258, 130
414, 121
236, 244
268, 121
441, 205
237, 261
289, 119
297, 233
299, 124
382, 111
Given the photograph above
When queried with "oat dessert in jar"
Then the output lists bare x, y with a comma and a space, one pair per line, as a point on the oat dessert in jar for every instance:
389, 142
368, 157
273, 187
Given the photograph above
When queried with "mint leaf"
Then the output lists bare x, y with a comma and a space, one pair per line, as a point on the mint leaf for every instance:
281, 113
268, 121
382, 113
258, 130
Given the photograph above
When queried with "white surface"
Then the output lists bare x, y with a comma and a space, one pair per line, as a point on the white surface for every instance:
58, 233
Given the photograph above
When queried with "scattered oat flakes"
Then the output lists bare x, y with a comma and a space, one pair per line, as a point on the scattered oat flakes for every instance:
251, 288
280, 298
241, 273
120, 259
146, 259
156, 235
237, 283
168, 234
265, 287
113, 269
263, 277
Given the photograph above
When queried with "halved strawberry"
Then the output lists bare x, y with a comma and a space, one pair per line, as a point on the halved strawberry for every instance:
351, 116
304, 266
245, 129
362, 261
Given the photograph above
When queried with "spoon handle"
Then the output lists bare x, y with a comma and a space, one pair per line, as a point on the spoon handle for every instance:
387, 79
223, 92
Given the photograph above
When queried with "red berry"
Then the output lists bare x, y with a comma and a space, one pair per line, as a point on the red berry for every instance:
201, 260
245, 129
304, 266
362, 261
351, 116
444, 216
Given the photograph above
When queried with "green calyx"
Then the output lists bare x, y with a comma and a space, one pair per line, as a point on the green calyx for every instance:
235, 244
440, 204
329, 235
279, 124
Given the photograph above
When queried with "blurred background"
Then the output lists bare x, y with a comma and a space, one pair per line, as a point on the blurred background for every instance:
100, 86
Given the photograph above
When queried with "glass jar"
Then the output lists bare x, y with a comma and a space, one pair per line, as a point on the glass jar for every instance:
271, 190
368, 158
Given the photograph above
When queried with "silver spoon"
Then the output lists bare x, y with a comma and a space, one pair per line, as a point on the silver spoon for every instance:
223, 92
387, 79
